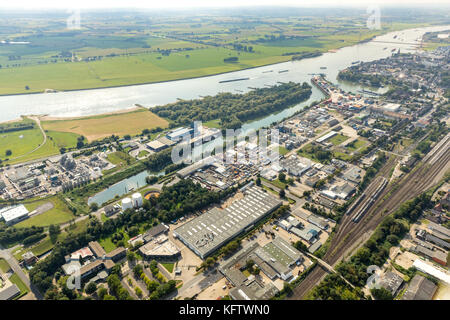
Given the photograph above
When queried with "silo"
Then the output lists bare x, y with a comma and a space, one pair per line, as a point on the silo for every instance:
126, 204
137, 200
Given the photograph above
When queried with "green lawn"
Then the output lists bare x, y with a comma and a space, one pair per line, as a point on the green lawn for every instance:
4, 266
338, 139
19, 283
63, 139
46, 244
22, 143
120, 158
282, 150
143, 153
355, 145
213, 124
342, 156
277, 183
169, 266
59, 214
19, 142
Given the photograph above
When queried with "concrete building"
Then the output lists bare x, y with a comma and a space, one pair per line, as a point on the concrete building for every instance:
208, 232
160, 248
178, 134
420, 288
9, 292
326, 136
156, 146
391, 282
14, 214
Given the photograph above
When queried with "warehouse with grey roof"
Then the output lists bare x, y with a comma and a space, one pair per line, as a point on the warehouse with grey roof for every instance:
208, 232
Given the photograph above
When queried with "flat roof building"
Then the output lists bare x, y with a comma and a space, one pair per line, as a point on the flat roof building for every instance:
14, 214
208, 232
178, 134
156, 145
160, 248
420, 288
9, 292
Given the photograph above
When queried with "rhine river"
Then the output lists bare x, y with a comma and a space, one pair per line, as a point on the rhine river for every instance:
97, 101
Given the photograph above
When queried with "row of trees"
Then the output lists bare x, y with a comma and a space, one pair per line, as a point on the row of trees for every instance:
10, 235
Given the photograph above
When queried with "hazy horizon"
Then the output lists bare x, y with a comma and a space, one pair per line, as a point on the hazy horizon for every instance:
189, 4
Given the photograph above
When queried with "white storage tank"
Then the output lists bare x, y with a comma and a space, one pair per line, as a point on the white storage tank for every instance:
137, 200
126, 204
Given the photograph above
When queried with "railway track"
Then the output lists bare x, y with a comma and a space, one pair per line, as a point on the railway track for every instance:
349, 233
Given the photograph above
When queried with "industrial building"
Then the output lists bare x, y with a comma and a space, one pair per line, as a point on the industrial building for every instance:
208, 232
160, 248
420, 288
391, 282
179, 133
326, 136
275, 260
156, 145
295, 166
14, 214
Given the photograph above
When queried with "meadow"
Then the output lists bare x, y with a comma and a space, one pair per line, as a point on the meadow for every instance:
116, 51
98, 127
59, 214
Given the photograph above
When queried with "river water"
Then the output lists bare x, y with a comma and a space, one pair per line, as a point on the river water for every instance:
97, 101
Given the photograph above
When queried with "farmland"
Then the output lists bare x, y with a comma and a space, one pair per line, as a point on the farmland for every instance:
98, 127
135, 51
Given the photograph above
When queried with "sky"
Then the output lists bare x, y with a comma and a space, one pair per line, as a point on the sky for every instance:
62, 4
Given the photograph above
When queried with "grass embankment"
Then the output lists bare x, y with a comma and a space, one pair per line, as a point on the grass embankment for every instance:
102, 126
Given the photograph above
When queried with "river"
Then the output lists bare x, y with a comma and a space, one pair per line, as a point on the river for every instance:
97, 101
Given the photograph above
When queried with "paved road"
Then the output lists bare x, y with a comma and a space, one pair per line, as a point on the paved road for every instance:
5, 254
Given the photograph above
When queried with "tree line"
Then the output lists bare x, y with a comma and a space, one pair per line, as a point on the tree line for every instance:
235, 109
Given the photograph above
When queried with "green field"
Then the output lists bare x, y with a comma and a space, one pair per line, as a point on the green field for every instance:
120, 158
282, 150
4, 266
59, 214
104, 125
19, 283
338, 139
19, 142
116, 50
355, 145
169, 266
26, 145
46, 244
